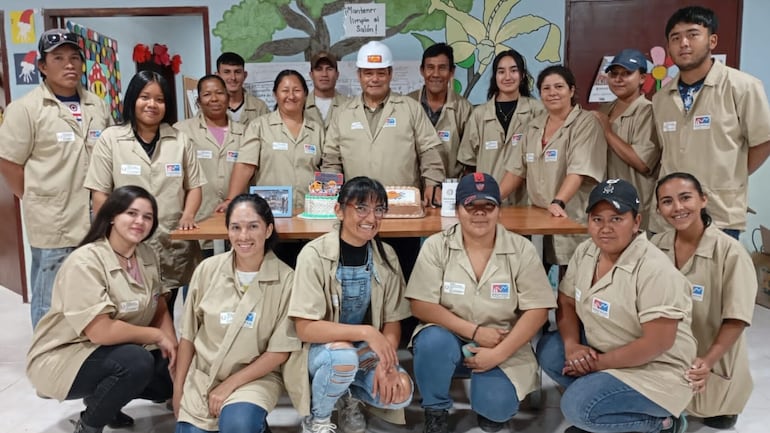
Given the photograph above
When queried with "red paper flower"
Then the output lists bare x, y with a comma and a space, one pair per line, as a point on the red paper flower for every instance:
176, 63
142, 53
159, 55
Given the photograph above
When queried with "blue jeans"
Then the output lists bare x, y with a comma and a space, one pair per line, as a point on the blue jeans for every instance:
438, 358
235, 418
45, 264
598, 402
328, 383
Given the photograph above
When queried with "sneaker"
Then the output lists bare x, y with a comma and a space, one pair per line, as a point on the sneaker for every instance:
350, 418
121, 420
436, 421
82, 428
678, 425
488, 425
313, 425
721, 422
573, 429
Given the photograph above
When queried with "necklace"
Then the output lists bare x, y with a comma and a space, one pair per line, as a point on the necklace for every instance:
506, 117
127, 259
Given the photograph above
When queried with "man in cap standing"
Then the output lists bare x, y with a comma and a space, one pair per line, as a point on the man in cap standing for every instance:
324, 100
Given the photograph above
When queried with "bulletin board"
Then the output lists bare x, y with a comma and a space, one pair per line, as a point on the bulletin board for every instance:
597, 28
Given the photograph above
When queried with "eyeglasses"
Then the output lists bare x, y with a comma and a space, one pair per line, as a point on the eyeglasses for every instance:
52, 39
363, 210
475, 206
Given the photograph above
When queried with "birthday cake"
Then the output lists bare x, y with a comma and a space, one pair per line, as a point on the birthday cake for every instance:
404, 202
322, 195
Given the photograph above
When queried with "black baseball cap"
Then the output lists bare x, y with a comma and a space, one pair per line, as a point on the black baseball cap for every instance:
617, 192
54, 38
477, 186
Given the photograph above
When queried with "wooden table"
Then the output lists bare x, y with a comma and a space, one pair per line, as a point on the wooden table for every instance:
523, 220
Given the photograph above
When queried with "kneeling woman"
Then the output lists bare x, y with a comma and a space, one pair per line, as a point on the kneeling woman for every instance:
235, 332
723, 292
347, 302
626, 373
93, 343
480, 291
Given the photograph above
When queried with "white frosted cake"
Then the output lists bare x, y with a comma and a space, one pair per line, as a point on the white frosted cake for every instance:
404, 202
319, 206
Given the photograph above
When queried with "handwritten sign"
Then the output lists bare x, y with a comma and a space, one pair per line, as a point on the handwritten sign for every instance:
366, 19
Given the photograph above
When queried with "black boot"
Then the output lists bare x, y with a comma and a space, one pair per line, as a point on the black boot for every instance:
436, 421
82, 428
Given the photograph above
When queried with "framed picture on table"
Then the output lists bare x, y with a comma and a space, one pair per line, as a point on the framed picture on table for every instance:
279, 198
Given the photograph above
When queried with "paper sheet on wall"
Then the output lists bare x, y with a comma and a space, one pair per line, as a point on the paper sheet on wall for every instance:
261, 77
364, 20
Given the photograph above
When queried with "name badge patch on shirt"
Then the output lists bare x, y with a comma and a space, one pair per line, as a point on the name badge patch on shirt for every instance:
444, 135
669, 126
93, 134
310, 149
356, 125
65, 136
232, 155
530, 157
280, 146
205, 154
578, 294
174, 170
454, 288
390, 122
697, 292
701, 122
226, 317
250, 319
551, 155
129, 306
515, 139
500, 291
131, 169
490, 145
601, 307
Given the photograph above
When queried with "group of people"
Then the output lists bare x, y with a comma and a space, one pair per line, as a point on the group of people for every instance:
100, 202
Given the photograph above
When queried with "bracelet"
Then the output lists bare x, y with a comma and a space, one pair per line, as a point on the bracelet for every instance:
473, 337
559, 202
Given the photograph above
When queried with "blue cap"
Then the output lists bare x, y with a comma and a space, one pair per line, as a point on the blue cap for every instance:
477, 186
630, 59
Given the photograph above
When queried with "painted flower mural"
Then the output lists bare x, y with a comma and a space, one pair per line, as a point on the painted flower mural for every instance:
663, 70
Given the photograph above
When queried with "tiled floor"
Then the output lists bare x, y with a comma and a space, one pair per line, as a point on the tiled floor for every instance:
23, 411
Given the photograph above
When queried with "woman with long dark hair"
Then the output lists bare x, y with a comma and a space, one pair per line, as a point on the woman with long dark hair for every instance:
93, 342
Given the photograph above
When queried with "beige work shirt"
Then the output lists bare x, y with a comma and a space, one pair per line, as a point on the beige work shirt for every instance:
253, 108
118, 159
642, 286
513, 281
577, 147
41, 134
636, 127
486, 146
90, 282
230, 329
313, 112
402, 151
729, 115
724, 286
450, 128
280, 158
317, 294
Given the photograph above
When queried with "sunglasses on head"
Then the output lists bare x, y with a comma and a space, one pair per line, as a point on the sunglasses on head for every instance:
54, 38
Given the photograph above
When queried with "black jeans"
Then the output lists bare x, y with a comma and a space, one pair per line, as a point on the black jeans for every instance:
112, 376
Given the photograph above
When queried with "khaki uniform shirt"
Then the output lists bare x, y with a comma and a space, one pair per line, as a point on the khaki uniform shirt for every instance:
313, 112
578, 147
723, 287
317, 294
118, 159
90, 282
280, 158
636, 127
41, 134
641, 287
401, 151
230, 329
513, 281
486, 146
450, 128
253, 107
729, 115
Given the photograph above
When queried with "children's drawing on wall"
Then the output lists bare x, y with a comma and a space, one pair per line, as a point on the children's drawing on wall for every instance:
26, 68
23, 27
102, 67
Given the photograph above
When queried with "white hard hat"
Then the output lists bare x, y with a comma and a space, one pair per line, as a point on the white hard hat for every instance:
374, 55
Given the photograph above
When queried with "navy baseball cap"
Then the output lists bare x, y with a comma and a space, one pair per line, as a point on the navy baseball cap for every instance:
617, 192
477, 186
630, 59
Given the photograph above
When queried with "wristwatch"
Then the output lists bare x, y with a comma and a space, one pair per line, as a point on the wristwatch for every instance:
559, 202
